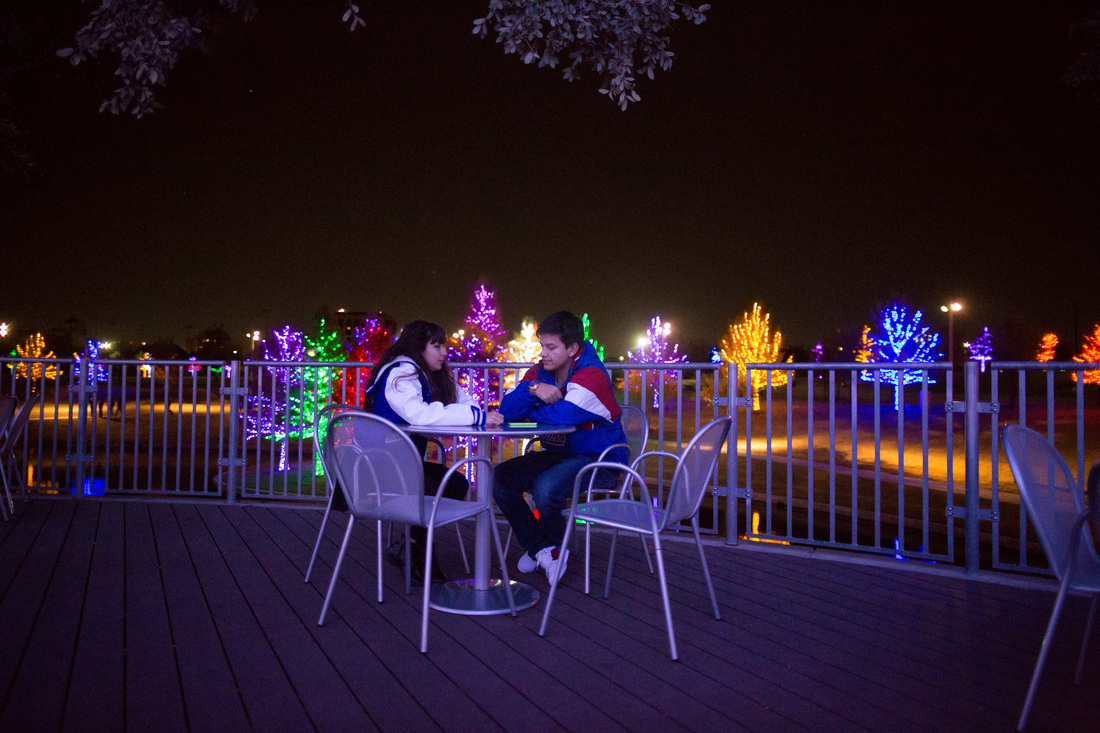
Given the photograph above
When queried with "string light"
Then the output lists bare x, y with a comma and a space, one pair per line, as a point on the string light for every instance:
656, 350
1047, 344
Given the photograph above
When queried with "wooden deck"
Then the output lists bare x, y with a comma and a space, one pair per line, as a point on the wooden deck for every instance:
154, 616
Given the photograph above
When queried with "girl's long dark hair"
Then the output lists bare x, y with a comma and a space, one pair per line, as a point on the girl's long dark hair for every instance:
414, 338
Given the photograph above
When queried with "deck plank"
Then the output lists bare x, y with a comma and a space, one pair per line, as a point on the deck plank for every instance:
198, 612
98, 687
209, 689
154, 693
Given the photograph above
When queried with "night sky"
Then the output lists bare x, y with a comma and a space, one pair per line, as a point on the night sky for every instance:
819, 157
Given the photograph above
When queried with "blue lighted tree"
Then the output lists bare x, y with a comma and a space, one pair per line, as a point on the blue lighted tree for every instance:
902, 339
981, 348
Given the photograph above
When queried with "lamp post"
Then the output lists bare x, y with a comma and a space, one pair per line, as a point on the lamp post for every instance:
951, 310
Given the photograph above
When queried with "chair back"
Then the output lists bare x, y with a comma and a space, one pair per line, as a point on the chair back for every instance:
377, 465
693, 474
7, 409
19, 423
1052, 497
636, 427
320, 427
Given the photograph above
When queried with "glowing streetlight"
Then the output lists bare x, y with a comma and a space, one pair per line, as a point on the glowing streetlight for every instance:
3, 330
951, 310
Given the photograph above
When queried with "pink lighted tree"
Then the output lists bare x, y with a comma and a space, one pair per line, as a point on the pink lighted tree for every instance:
481, 339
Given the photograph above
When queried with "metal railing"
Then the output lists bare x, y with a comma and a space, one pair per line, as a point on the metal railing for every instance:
823, 460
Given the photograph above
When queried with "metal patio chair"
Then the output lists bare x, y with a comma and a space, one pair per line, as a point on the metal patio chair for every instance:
323, 416
382, 474
9, 466
636, 428
321, 422
685, 495
1055, 502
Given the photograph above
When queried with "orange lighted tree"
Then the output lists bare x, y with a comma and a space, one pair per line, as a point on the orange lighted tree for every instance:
752, 342
1090, 354
1047, 345
865, 354
34, 347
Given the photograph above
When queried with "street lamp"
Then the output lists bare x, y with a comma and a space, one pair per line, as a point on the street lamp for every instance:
951, 310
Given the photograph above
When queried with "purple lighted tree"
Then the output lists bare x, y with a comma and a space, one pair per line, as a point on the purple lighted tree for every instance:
655, 348
481, 339
270, 413
981, 348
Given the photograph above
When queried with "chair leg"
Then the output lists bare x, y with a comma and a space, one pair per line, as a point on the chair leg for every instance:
557, 576
503, 564
610, 564
462, 548
336, 570
1044, 649
320, 534
5, 500
587, 554
1085, 641
408, 560
425, 606
664, 596
379, 559
703, 561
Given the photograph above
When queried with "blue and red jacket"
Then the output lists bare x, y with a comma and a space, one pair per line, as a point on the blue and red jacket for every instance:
588, 402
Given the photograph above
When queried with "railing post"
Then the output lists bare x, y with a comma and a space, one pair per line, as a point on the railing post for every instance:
81, 426
234, 412
732, 507
973, 546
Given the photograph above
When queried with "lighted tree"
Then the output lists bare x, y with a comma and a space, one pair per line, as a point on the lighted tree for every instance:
818, 351
365, 344
268, 414
752, 342
902, 339
588, 336
34, 349
480, 340
1047, 344
524, 348
621, 41
655, 348
1090, 354
865, 354
981, 348
96, 372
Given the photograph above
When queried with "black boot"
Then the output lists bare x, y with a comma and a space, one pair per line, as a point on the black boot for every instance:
438, 576
396, 557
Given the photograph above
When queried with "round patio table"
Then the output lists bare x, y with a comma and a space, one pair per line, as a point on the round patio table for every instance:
484, 595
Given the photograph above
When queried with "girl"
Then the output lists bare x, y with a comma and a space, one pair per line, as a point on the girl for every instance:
411, 384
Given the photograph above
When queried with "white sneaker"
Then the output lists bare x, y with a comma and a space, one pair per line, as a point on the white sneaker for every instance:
549, 558
527, 564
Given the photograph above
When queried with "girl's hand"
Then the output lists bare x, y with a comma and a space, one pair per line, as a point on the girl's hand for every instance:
494, 419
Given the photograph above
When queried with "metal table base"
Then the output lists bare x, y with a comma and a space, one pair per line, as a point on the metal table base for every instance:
460, 596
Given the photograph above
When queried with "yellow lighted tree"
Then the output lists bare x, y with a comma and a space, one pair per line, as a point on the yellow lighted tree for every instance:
1047, 344
525, 347
1090, 354
752, 342
34, 347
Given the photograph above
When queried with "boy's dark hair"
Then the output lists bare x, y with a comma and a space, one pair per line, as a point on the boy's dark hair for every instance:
565, 326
